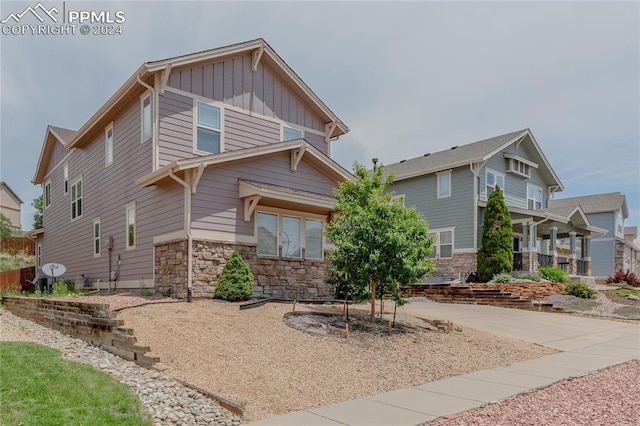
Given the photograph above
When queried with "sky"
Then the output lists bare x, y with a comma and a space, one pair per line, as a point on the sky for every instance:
406, 77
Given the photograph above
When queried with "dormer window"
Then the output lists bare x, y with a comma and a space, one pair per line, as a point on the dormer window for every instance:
519, 166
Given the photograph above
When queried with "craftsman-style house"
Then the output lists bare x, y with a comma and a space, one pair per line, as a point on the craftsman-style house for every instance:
194, 157
450, 188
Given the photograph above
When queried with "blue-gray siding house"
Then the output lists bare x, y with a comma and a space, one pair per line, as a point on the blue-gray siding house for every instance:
192, 158
615, 250
450, 188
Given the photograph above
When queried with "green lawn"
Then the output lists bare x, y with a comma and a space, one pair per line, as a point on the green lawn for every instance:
39, 387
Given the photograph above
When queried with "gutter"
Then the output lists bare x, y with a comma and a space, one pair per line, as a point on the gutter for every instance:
187, 227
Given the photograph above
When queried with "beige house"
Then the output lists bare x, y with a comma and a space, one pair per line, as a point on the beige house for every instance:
10, 205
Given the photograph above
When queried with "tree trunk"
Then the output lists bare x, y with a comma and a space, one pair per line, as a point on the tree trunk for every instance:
373, 300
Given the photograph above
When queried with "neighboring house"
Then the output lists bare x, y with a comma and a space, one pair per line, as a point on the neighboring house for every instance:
192, 158
615, 250
10, 205
450, 189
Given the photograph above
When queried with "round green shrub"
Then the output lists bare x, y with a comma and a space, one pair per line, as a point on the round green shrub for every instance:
555, 275
502, 278
236, 281
580, 290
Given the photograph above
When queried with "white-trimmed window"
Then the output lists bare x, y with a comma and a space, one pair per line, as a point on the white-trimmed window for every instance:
145, 118
494, 178
620, 224
267, 234
208, 128
291, 233
108, 145
443, 244
444, 184
66, 179
47, 194
39, 256
313, 239
534, 197
291, 237
76, 199
289, 133
131, 226
96, 237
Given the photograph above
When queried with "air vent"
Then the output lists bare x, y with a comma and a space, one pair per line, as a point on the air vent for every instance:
402, 161
427, 154
454, 147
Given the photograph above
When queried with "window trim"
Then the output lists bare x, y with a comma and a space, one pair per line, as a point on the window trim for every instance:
47, 194
143, 98
108, 129
65, 181
322, 242
257, 233
96, 221
196, 126
129, 207
39, 256
300, 223
495, 174
78, 216
303, 216
289, 126
439, 175
437, 245
537, 188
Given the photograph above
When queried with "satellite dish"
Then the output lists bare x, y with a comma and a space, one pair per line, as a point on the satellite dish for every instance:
54, 269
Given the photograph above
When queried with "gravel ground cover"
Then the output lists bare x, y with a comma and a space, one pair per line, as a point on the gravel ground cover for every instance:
608, 397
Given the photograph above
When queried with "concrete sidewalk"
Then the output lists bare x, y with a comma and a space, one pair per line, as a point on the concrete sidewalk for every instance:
587, 344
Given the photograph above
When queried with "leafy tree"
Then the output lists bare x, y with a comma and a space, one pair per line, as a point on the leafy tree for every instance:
236, 281
379, 243
38, 215
6, 229
496, 249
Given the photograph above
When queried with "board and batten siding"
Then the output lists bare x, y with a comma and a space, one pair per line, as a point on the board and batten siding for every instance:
106, 191
231, 81
217, 206
454, 211
57, 155
240, 130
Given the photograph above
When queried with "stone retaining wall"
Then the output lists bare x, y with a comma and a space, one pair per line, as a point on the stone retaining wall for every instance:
91, 322
458, 267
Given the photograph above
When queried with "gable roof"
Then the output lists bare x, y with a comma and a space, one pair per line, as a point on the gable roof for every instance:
258, 47
11, 193
475, 152
597, 203
52, 136
300, 147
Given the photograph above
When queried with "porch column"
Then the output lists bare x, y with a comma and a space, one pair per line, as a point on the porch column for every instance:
573, 264
552, 246
525, 237
586, 254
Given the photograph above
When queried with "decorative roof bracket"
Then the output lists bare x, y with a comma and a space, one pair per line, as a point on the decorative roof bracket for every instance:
257, 55
165, 78
328, 130
296, 156
250, 204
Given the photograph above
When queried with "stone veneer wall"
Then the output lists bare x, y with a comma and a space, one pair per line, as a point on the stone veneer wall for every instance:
460, 266
91, 322
273, 277
618, 256
170, 266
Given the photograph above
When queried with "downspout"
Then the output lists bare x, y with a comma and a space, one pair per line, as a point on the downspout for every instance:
475, 172
154, 129
187, 227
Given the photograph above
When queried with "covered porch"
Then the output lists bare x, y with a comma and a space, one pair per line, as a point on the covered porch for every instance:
560, 239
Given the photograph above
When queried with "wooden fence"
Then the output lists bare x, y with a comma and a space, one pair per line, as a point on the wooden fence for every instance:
18, 279
18, 244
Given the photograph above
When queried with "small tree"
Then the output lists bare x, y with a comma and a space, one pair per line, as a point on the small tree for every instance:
379, 243
38, 215
236, 281
496, 249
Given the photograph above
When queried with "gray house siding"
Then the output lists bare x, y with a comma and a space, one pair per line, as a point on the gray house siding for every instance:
455, 211
216, 206
602, 258
233, 82
105, 193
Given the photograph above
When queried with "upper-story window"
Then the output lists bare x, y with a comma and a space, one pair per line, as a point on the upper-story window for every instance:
108, 138
76, 199
66, 179
96, 237
519, 166
492, 179
619, 223
47, 194
209, 128
289, 133
534, 197
131, 226
444, 184
145, 108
